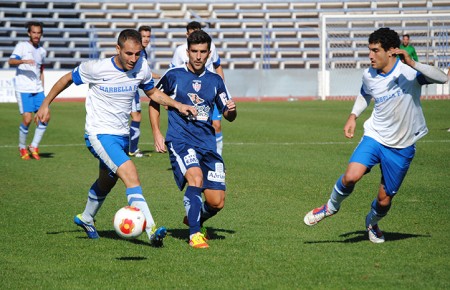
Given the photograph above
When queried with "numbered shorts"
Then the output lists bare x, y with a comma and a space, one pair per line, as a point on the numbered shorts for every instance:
183, 157
110, 150
394, 162
29, 102
136, 103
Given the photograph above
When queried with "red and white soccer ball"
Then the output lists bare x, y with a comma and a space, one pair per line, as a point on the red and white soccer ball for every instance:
129, 222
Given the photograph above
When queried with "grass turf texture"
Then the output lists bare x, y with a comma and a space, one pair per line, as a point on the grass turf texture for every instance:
282, 160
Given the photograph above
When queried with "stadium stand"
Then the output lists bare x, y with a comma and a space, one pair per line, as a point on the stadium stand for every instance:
249, 34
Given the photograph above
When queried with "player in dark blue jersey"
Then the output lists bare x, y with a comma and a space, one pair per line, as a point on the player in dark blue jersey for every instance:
191, 141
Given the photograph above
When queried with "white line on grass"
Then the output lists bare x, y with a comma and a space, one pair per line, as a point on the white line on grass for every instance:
243, 143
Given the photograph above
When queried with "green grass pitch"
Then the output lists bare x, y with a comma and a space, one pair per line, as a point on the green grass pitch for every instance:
282, 160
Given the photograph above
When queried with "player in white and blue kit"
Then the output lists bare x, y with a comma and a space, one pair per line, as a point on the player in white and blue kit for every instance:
113, 83
136, 116
191, 141
180, 57
390, 134
29, 58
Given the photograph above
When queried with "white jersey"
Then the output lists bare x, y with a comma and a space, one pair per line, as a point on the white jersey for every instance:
397, 119
111, 91
28, 77
180, 57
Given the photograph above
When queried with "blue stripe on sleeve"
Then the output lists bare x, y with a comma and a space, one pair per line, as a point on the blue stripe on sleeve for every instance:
76, 76
147, 86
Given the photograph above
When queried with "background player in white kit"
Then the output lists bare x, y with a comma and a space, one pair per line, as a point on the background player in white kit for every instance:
136, 116
29, 58
390, 134
180, 57
113, 83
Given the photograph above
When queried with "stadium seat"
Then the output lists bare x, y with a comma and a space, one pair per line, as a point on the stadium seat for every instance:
240, 29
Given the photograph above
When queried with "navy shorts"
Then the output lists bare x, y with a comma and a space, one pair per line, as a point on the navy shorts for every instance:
183, 157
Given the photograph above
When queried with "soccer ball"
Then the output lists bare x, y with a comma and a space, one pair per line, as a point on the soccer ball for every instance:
129, 222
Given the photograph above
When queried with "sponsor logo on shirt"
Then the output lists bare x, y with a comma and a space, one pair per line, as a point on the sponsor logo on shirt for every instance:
383, 99
218, 175
119, 89
195, 99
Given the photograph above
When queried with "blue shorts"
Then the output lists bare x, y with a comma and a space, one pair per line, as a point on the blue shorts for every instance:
216, 115
29, 102
136, 104
183, 157
394, 163
111, 150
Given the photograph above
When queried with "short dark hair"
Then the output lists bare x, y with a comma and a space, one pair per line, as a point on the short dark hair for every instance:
144, 28
387, 37
194, 25
129, 34
407, 35
34, 23
197, 37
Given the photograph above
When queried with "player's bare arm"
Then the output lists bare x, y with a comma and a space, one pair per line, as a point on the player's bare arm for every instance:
163, 99
350, 125
15, 62
231, 113
154, 117
43, 114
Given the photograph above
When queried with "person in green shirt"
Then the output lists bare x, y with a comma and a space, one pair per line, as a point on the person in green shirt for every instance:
408, 47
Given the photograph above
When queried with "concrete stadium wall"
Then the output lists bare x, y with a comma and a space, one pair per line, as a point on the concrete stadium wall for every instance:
243, 83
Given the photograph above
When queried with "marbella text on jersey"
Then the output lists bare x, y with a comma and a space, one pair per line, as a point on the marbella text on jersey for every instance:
120, 89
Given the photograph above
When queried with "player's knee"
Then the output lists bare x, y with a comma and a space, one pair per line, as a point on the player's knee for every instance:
194, 177
385, 201
217, 205
350, 178
216, 200
196, 181
26, 120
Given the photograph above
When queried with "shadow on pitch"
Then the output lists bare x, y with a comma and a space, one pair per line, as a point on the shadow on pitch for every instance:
362, 236
45, 155
213, 233
110, 234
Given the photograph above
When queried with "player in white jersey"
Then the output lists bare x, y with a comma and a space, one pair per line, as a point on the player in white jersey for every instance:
180, 57
390, 134
136, 115
29, 58
191, 141
113, 83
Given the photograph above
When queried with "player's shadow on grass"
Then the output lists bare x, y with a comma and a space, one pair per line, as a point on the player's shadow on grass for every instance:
110, 234
46, 155
362, 236
113, 236
213, 233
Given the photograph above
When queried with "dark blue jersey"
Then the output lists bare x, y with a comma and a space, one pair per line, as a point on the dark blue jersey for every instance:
203, 91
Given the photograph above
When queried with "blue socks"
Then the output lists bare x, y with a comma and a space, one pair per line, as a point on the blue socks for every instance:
193, 206
96, 197
135, 132
339, 193
376, 213
135, 198
207, 213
